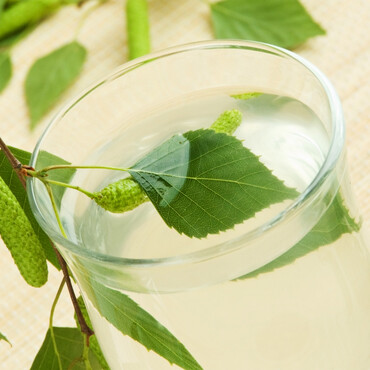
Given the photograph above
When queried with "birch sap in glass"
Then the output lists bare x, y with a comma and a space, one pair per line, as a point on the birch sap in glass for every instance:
286, 289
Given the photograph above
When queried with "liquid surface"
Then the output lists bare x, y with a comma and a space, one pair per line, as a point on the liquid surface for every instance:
271, 124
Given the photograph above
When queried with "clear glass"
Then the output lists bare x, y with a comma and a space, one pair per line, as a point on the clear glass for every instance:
219, 297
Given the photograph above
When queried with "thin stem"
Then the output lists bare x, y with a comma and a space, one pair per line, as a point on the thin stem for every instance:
78, 188
85, 329
66, 166
52, 199
51, 323
85, 355
83, 325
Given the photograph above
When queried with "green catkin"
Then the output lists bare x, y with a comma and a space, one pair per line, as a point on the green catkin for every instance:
137, 19
121, 196
93, 342
227, 122
247, 96
25, 13
21, 240
126, 194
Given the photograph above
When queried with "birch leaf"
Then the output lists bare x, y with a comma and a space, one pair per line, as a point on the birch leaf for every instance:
284, 23
203, 182
50, 76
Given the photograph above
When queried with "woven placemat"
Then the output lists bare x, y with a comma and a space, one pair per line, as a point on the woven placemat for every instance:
343, 55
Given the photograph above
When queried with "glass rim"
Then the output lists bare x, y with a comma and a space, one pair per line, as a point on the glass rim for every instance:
336, 145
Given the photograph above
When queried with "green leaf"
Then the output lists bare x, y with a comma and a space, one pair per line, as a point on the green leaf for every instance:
5, 69
280, 22
3, 337
46, 159
11, 179
69, 342
203, 182
128, 317
335, 222
50, 76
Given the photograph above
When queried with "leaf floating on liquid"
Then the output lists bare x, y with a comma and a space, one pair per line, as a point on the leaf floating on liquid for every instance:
203, 182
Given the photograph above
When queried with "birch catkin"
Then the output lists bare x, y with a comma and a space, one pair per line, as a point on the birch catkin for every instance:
21, 240
26, 13
137, 18
121, 196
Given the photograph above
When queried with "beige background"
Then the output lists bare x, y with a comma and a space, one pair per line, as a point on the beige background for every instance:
343, 55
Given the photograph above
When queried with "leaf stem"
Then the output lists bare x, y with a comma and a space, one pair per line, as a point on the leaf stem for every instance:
52, 199
63, 184
85, 329
51, 323
85, 355
67, 166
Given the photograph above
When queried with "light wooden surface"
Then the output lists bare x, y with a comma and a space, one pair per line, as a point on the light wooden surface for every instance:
343, 55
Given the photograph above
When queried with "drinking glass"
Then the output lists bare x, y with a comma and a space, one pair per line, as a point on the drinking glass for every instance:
287, 289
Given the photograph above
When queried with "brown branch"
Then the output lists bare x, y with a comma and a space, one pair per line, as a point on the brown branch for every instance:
17, 167
81, 320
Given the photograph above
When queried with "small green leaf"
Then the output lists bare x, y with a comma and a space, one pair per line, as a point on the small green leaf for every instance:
11, 179
335, 222
284, 23
50, 76
3, 337
128, 317
5, 69
203, 182
69, 342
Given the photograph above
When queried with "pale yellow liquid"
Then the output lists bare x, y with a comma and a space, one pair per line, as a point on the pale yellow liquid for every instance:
312, 314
